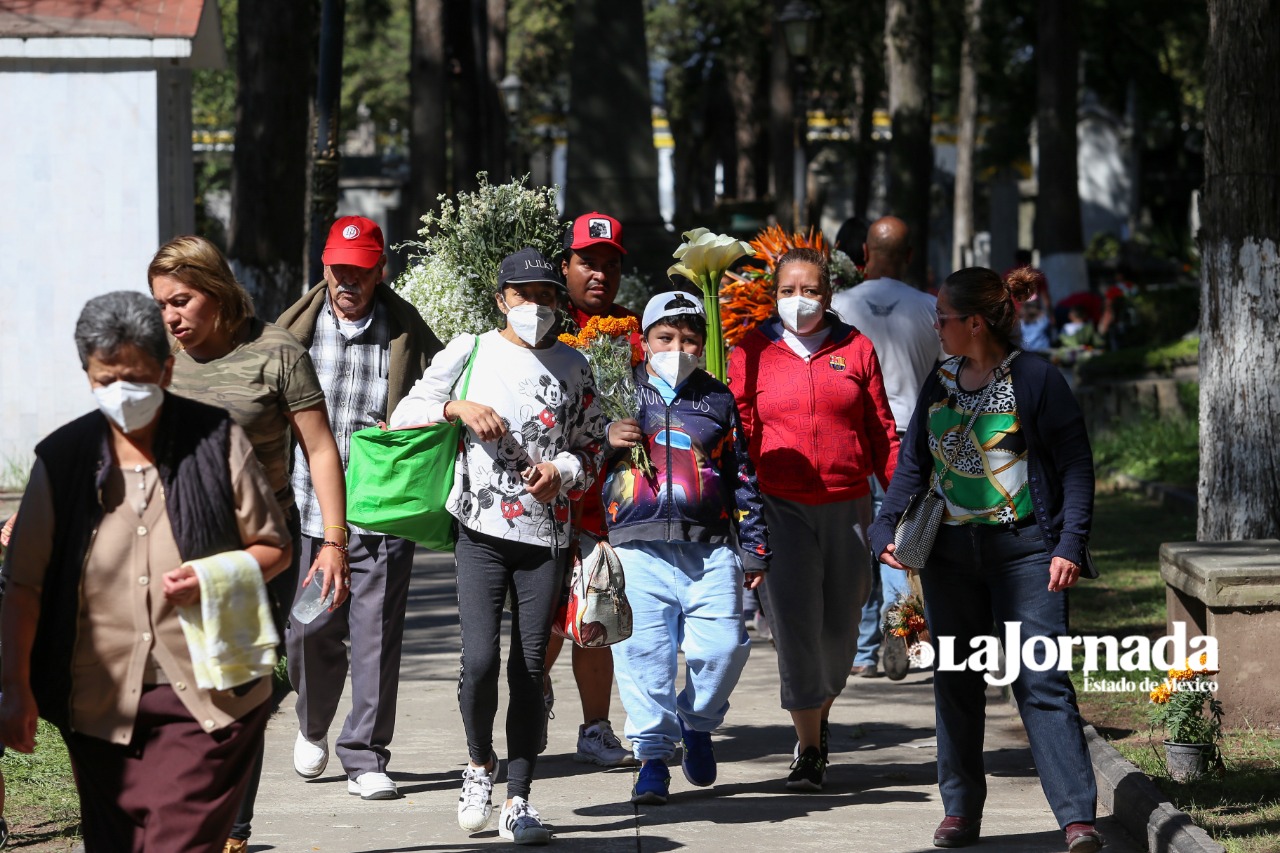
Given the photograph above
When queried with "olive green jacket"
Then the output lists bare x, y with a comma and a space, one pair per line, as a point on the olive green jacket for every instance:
413, 344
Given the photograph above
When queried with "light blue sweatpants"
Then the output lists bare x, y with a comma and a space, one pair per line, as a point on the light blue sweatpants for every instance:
684, 595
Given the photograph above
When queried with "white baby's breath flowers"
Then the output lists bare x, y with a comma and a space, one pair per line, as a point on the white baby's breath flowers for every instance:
453, 270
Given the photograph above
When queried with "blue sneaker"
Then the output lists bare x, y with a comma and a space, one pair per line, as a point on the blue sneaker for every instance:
699, 762
652, 783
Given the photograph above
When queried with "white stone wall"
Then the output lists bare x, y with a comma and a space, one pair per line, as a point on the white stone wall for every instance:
79, 217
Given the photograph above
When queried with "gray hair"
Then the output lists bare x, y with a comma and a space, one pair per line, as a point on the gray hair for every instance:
115, 319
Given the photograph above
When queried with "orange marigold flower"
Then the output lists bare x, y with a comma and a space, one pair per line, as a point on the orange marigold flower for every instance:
571, 340
1201, 665
1161, 693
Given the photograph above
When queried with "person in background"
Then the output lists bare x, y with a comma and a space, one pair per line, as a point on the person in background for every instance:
1018, 505
1079, 330
118, 504
899, 321
686, 535
368, 346
532, 443
227, 357
818, 424
592, 270
1035, 327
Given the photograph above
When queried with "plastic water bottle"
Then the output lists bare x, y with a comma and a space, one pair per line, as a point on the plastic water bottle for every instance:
309, 604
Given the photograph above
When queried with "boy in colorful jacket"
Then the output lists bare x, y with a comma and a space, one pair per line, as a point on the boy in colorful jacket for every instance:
672, 530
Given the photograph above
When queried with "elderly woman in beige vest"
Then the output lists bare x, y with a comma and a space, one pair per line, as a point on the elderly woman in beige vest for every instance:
119, 503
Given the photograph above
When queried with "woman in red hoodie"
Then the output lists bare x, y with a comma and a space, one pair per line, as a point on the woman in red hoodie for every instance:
818, 423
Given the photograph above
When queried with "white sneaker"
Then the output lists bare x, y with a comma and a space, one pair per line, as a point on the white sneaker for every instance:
520, 823
597, 744
310, 759
373, 786
475, 803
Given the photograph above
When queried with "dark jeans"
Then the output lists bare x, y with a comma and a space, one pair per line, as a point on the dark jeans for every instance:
979, 575
487, 569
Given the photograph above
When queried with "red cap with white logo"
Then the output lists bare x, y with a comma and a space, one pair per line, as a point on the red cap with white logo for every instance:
355, 241
593, 228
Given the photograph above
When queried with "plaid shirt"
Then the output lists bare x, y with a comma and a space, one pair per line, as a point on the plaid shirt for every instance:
353, 374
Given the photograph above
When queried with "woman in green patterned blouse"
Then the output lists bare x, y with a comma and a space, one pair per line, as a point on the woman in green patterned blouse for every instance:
1003, 438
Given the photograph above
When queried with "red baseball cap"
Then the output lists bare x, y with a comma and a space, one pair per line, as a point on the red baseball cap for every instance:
353, 240
592, 228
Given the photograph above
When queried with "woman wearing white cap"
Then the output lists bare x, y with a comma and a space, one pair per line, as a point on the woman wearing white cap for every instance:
532, 443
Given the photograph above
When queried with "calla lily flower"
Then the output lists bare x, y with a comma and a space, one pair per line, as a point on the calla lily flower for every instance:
703, 258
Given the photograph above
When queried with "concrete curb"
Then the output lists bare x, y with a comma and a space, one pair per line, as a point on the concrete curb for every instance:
1140, 807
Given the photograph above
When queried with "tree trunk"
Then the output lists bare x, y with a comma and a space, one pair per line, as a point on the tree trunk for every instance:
428, 87
908, 35
500, 152
466, 119
267, 243
1058, 227
967, 121
781, 125
742, 84
867, 84
1240, 275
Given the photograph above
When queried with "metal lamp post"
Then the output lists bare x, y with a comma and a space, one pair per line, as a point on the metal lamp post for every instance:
799, 22
512, 88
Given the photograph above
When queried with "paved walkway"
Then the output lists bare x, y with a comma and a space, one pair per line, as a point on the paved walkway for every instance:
880, 794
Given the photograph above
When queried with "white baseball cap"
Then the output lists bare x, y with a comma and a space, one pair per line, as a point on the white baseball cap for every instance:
671, 304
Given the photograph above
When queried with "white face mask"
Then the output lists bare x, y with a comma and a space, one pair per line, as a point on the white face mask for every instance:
531, 322
129, 405
799, 313
673, 367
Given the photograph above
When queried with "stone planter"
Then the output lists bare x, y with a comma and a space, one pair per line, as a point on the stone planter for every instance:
1187, 762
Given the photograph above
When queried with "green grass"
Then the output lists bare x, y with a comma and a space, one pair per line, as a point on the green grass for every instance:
1135, 361
41, 804
1164, 450
13, 473
1242, 809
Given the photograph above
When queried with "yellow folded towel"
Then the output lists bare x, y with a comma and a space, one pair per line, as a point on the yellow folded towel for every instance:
230, 633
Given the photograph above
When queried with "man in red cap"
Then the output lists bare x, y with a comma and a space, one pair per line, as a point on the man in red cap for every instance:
369, 347
592, 267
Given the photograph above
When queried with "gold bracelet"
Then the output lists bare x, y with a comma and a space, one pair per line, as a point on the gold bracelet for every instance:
346, 532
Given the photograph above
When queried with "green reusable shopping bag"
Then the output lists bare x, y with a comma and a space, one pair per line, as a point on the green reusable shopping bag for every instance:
398, 481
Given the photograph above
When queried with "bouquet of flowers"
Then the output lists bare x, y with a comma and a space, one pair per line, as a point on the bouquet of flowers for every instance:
905, 619
703, 259
1185, 705
748, 295
453, 272
607, 344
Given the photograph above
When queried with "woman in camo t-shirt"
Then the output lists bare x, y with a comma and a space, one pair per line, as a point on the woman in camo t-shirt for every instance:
262, 375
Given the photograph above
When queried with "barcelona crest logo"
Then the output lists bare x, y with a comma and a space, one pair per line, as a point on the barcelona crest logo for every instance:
837, 362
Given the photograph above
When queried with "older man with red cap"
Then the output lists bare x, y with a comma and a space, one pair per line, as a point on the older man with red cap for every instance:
369, 347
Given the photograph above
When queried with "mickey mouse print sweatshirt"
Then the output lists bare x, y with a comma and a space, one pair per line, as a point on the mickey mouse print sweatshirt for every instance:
546, 398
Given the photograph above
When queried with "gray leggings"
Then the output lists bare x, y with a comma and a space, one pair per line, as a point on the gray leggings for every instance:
487, 568
819, 580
